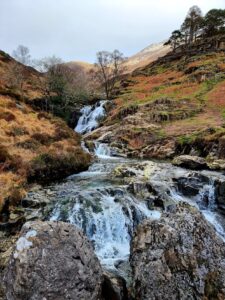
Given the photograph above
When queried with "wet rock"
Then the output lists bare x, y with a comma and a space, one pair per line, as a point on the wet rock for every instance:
12, 226
217, 164
178, 256
221, 150
114, 287
33, 203
52, 260
220, 195
159, 149
191, 185
190, 162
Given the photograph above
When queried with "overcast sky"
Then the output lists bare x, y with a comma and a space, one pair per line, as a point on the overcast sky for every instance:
77, 29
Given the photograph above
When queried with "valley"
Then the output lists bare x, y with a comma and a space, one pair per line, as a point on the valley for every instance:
112, 175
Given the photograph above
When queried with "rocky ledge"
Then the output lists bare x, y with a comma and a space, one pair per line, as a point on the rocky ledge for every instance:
178, 257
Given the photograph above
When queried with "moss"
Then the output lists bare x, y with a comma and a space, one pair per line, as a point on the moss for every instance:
186, 139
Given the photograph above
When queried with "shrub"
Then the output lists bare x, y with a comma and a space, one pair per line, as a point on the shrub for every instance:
4, 155
51, 166
42, 138
14, 164
64, 133
7, 116
17, 131
16, 195
44, 115
31, 144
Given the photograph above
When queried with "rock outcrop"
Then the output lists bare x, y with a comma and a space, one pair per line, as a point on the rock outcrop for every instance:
190, 162
178, 257
53, 260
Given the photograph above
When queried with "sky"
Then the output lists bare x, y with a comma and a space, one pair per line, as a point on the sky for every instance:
76, 29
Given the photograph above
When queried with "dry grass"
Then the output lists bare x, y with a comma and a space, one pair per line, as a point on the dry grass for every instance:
199, 81
26, 138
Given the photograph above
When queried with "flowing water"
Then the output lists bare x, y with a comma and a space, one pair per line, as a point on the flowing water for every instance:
90, 116
107, 209
102, 207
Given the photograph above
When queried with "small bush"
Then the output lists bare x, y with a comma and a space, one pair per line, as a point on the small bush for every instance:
16, 195
44, 115
30, 144
42, 138
63, 133
4, 155
13, 164
7, 116
51, 166
17, 131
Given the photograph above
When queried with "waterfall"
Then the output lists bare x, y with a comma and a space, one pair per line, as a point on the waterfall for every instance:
90, 116
108, 211
102, 150
108, 216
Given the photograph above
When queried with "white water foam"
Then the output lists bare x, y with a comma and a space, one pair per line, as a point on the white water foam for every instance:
90, 117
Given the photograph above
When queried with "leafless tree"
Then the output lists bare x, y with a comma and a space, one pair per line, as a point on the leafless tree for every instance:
64, 85
15, 78
22, 55
108, 68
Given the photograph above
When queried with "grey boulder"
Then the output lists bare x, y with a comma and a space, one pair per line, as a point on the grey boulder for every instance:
178, 257
52, 261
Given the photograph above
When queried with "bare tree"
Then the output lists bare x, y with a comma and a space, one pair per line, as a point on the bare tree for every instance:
15, 79
22, 55
109, 67
64, 86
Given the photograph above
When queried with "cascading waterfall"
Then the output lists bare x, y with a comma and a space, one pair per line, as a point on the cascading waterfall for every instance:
102, 150
107, 214
90, 116
195, 188
108, 211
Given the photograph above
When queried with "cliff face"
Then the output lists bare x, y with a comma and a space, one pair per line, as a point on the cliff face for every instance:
172, 106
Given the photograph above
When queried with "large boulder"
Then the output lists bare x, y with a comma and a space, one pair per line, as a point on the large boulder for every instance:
53, 260
178, 257
190, 162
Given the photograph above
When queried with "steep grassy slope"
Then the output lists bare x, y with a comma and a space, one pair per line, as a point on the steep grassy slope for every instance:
146, 56
34, 146
170, 106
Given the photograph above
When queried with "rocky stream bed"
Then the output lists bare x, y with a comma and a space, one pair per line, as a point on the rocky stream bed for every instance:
155, 231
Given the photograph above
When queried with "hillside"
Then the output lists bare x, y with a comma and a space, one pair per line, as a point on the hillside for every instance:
172, 106
138, 60
84, 66
146, 56
35, 147
17, 80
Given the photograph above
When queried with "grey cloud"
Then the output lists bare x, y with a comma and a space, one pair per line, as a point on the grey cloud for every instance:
77, 29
